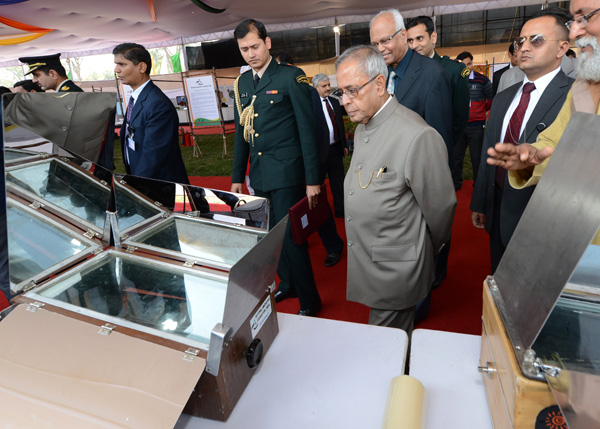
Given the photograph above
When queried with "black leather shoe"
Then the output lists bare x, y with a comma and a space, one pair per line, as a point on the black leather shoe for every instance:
310, 312
280, 295
332, 259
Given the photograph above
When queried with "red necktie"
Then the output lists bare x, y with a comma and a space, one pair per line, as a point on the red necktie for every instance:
513, 131
336, 136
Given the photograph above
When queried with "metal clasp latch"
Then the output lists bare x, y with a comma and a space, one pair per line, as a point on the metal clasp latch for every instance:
89, 234
36, 205
34, 306
130, 249
189, 263
549, 370
106, 329
190, 354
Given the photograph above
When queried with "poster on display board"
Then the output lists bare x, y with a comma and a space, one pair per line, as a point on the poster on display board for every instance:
202, 102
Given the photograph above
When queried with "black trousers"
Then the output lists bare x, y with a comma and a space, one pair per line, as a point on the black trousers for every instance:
334, 168
472, 137
295, 269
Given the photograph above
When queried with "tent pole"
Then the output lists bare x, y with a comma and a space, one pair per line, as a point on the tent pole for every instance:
220, 112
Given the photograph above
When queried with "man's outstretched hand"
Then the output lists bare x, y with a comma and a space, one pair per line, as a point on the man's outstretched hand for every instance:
519, 157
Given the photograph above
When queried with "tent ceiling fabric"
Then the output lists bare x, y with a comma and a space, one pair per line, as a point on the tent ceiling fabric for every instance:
87, 27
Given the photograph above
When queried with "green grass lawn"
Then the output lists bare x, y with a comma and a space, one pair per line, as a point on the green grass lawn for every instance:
212, 162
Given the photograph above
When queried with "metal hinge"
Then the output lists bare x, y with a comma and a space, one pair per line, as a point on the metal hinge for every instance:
89, 234
104, 182
122, 182
106, 329
124, 237
130, 248
44, 155
36, 205
166, 215
97, 251
34, 306
157, 204
189, 263
549, 370
190, 354
29, 286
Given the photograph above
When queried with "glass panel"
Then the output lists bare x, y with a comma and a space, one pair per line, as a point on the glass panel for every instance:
35, 245
16, 154
199, 239
132, 210
60, 185
570, 336
177, 301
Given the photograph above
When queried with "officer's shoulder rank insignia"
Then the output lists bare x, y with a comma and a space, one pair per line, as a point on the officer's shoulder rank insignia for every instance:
302, 79
465, 72
65, 88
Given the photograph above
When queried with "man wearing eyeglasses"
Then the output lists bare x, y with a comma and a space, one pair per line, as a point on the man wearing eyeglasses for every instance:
519, 114
399, 199
528, 161
417, 82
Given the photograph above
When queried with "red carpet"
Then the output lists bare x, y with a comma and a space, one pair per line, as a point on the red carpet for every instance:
456, 306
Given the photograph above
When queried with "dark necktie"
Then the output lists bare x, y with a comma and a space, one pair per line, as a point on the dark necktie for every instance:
256, 80
513, 131
128, 115
336, 136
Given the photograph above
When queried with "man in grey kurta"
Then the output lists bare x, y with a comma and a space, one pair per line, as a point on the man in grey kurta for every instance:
399, 198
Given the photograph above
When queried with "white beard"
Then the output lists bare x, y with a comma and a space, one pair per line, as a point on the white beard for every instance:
588, 65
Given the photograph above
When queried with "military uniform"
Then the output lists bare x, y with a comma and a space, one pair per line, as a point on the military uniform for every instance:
459, 81
282, 146
52, 62
68, 86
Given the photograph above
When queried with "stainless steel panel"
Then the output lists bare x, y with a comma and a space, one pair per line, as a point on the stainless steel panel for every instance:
250, 278
561, 219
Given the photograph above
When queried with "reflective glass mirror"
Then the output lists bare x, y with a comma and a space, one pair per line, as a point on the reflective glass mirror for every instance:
157, 295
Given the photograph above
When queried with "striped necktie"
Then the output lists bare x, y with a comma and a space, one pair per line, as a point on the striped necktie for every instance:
391, 87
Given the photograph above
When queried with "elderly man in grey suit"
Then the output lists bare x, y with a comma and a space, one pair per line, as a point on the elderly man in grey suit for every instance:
518, 115
399, 198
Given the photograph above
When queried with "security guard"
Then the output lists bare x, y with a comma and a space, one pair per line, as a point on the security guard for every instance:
275, 127
49, 73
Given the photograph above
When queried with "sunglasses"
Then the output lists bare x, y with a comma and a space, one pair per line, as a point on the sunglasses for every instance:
535, 40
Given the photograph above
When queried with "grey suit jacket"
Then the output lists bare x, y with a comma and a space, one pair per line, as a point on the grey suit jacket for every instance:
396, 218
514, 201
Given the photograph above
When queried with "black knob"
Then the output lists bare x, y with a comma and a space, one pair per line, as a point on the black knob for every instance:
254, 353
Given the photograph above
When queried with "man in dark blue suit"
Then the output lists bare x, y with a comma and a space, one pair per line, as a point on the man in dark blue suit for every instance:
332, 148
417, 82
497, 206
149, 135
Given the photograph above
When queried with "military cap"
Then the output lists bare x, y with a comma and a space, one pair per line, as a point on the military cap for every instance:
34, 63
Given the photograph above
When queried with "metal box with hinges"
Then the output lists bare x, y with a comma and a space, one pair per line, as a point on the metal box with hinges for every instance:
177, 316
541, 311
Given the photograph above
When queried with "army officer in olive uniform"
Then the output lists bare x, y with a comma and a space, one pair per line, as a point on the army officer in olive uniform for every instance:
276, 128
49, 73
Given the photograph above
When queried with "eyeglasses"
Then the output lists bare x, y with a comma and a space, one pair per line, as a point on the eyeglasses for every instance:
385, 41
581, 21
351, 92
536, 40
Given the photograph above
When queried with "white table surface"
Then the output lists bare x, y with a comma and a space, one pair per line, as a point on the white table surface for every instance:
318, 373
446, 363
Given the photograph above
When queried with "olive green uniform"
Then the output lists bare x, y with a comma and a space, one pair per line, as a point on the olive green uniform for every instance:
459, 81
283, 160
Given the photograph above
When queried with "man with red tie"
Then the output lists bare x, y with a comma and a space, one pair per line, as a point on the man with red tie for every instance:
518, 115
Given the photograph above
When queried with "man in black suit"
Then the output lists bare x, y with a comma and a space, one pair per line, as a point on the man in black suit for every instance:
498, 74
332, 143
149, 135
416, 81
497, 206
49, 73
332, 148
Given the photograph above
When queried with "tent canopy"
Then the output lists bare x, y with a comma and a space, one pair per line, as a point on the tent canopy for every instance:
88, 27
